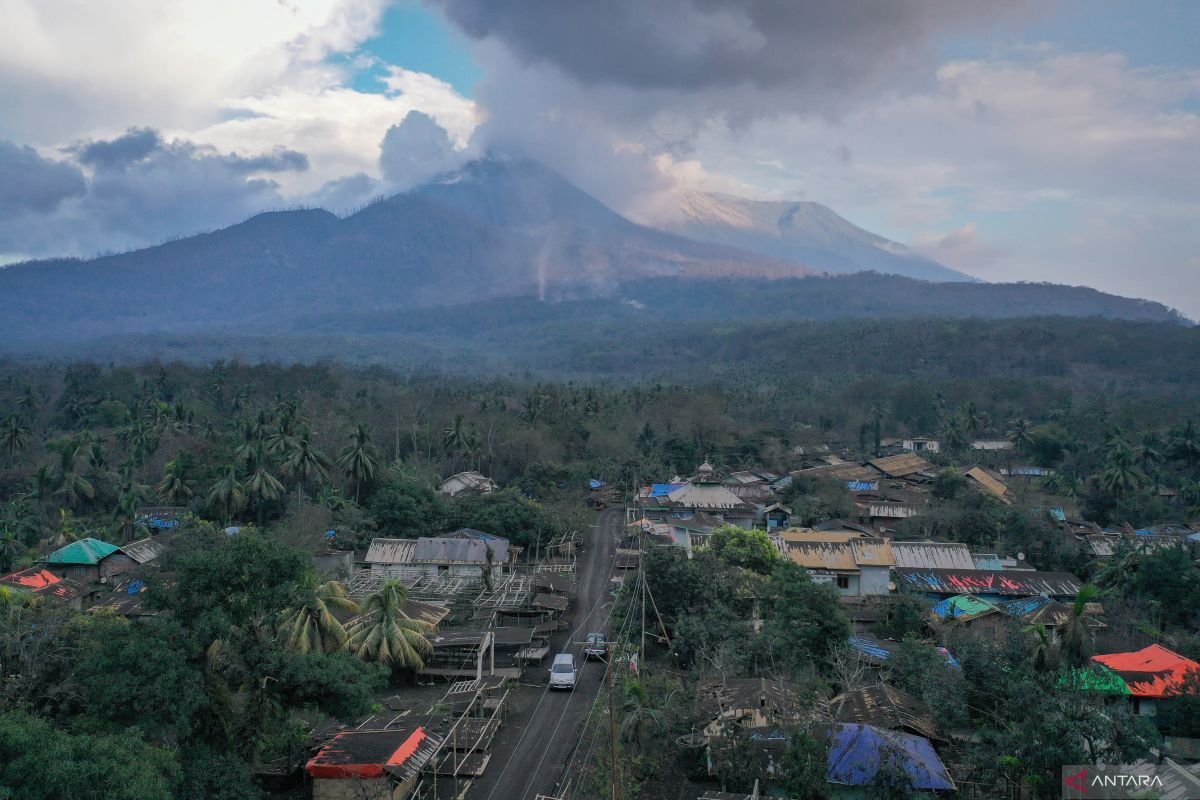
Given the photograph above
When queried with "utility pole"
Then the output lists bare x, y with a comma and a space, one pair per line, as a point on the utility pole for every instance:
612, 727
642, 571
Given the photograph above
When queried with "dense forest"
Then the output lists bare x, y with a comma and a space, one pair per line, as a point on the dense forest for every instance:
184, 707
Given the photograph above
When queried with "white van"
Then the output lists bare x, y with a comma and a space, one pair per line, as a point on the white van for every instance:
562, 672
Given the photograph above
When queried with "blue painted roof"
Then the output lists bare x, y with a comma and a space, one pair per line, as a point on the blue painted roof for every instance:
862, 486
987, 561
595, 484
857, 752
869, 647
1021, 606
663, 489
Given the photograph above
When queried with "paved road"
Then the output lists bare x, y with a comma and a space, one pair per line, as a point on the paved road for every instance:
543, 727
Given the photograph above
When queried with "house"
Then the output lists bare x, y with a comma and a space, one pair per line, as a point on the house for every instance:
920, 444
372, 765
1050, 614
702, 493
943, 583
932, 555
467, 482
746, 703
143, 551
467, 558
909, 466
989, 482
777, 516
855, 564
88, 561
971, 612
1150, 674
42, 583
502, 550
857, 753
885, 706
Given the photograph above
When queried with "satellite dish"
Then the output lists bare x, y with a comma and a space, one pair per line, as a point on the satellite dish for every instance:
104, 580
891, 586
1020, 556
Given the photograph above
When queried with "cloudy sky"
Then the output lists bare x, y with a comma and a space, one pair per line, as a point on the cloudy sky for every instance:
1051, 140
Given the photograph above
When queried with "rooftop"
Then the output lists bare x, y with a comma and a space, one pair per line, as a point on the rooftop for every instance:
85, 552
1153, 671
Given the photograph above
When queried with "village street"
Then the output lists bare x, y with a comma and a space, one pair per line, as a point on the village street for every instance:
543, 728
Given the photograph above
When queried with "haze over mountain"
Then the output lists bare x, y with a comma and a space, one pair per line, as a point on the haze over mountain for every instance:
803, 232
497, 230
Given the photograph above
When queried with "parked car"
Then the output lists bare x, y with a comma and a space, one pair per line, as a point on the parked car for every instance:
596, 646
562, 672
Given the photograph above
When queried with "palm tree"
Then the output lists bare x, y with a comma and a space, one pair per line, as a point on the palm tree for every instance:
227, 497
1076, 633
1121, 476
454, 438
303, 460
72, 487
28, 404
384, 633
359, 459
636, 713
262, 488
1045, 656
14, 436
1185, 444
174, 488
1020, 432
1150, 451
10, 549
313, 628
972, 418
131, 499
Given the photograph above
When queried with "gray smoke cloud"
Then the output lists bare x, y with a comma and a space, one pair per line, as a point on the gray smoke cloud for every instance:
598, 90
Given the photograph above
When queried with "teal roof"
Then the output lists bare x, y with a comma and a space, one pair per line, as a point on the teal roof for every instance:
963, 607
85, 551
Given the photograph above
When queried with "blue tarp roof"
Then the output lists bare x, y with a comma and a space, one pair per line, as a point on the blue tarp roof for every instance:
870, 647
595, 484
862, 486
663, 489
857, 752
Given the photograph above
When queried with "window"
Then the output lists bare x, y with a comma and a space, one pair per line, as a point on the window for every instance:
843, 581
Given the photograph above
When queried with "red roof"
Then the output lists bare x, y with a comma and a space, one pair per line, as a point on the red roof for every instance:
1150, 672
366, 754
35, 579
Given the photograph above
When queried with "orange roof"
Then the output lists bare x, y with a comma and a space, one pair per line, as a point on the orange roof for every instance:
35, 579
1150, 672
365, 754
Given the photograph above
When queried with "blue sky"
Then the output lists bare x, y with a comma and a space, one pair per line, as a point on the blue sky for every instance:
413, 37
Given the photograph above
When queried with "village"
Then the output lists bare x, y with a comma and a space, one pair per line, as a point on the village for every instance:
489, 623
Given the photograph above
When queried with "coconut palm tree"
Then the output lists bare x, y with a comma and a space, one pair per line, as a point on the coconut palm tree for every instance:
384, 633
174, 488
28, 404
1045, 655
313, 628
1076, 632
69, 485
1020, 432
10, 549
303, 460
132, 497
227, 497
359, 459
1121, 476
1185, 444
454, 438
262, 488
637, 714
14, 436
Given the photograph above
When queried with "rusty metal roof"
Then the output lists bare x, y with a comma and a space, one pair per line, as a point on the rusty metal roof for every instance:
932, 555
885, 706
902, 465
989, 481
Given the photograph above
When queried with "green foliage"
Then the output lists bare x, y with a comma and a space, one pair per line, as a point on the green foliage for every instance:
751, 549
505, 513
1170, 579
39, 762
406, 507
803, 621
804, 768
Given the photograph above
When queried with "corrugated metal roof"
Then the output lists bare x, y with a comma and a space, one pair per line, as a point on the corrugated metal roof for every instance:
870, 552
902, 465
143, 550
857, 752
390, 551
885, 706
453, 551
84, 552
988, 481
1015, 583
705, 496
1150, 672
932, 555
964, 608
987, 561
837, 556
1021, 606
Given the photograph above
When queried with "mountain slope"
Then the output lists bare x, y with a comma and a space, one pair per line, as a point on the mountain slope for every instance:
498, 228
803, 232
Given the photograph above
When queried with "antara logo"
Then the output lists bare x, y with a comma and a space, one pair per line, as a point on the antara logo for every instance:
1077, 781
1128, 781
